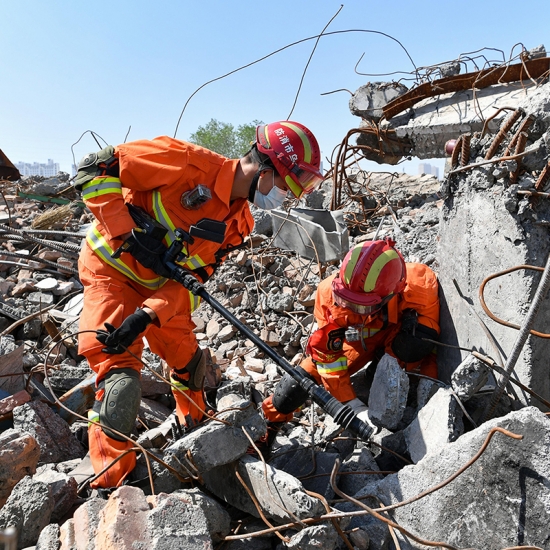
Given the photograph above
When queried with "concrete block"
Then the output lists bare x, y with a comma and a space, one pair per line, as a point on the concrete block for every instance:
509, 480
437, 424
314, 537
28, 509
362, 460
19, 454
217, 443
302, 462
49, 538
85, 523
63, 491
52, 433
469, 377
388, 395
277, 492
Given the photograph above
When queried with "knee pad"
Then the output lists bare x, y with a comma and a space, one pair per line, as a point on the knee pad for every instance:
120, 405
289, 395
196, 368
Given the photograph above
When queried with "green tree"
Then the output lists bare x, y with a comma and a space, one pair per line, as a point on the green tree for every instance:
224, 138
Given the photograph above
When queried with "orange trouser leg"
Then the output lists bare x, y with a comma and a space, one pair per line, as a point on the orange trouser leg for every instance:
186, 408
175, 342
103, 451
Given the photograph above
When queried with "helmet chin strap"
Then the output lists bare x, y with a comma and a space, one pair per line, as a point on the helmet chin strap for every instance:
256, 178
254, 185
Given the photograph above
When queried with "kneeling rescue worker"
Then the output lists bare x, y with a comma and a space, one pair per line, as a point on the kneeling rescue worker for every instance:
376, 304
126, 286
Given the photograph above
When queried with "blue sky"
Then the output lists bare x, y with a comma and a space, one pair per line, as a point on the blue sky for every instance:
119, 66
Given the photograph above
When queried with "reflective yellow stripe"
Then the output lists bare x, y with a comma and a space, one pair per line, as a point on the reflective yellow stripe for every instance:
178, 384
193, 262
305, 140
194, 301
328, 368
369, 332
161, 215
352, 262
377, 266
93, 416
293, 186
99, 245
101, 186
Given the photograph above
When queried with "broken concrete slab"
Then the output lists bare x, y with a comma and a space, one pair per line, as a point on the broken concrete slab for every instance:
388, 395
316, 536
351, 477
57, 443
469, 377
28, 509
279, 495
437, 423
63, 489
19, 454
85, 523
464, 512
311, 467
49, 538
220, 441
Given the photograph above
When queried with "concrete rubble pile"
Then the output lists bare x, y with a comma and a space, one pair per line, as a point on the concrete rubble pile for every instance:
438, 469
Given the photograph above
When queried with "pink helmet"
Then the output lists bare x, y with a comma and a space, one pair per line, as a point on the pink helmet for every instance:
371, 274
294, 152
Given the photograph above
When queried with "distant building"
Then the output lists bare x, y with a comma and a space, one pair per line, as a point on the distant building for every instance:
426, 168
48, 170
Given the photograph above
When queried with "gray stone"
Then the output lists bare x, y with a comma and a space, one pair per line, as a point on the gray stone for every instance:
52, 433
313, 537
240, 386
227, 333
19, 454
469, 377
63, 491
217, 443
362, 460
217, 519
388, 395
437, 424
464, 512
280, 302
368, 100
85, 523
43, 299
425, 390
28, 509
279, 494
49, 538
66, 377
313, 468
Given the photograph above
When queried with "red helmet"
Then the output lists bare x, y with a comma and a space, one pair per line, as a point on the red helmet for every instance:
371, 273
294, 152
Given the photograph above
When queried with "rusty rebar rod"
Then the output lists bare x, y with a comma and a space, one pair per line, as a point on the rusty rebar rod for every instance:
465, 150
520, 147
506, 125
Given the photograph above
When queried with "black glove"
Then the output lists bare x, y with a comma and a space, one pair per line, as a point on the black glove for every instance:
148, 251
124, 335
409, 344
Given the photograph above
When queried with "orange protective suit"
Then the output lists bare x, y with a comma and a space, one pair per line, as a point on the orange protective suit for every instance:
332, 363
153, 175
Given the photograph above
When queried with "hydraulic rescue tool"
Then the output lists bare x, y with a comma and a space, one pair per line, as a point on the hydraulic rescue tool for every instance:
213, 230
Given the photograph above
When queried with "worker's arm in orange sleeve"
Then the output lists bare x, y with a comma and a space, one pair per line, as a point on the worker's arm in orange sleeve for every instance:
103, 196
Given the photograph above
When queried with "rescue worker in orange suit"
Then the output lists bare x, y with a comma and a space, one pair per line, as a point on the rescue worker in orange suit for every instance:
127, 293
376, 304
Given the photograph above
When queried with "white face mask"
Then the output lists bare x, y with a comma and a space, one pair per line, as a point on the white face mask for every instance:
272, 200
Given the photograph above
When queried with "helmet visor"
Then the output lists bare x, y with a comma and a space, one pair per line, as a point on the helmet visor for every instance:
306, 176
360, 309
